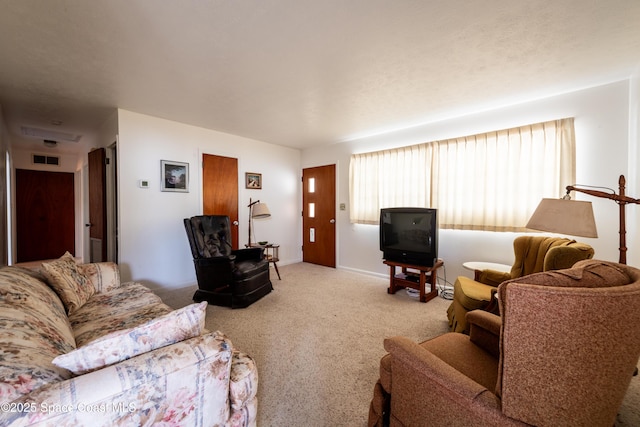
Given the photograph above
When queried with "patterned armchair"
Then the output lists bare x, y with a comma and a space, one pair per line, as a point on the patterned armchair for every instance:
533, 254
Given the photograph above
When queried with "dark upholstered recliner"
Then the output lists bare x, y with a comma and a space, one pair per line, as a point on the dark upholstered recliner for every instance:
561, 353
233, 278
533, 254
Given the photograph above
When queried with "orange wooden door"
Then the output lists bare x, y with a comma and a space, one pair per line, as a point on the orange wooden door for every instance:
98, 205
45, 215
319, 215
220, 189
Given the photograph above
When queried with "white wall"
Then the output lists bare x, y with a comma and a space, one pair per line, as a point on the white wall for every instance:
603, 141
153, 246
633, 211
5, 217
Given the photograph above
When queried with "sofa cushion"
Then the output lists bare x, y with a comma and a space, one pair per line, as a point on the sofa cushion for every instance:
71, 285
35, 329
179, 325
129, 305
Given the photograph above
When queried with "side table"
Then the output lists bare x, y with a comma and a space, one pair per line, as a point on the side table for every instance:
270, 253
414, 280
478, 266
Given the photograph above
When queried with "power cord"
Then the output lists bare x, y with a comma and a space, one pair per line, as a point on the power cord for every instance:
445, 291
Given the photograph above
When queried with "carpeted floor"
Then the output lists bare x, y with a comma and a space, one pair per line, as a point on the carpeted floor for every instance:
317, 341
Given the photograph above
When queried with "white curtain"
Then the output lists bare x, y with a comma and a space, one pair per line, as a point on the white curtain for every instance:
389, 178
491, 181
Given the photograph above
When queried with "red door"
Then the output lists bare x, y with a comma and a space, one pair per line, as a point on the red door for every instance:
98, 205
45, 215
220, 189
319, 215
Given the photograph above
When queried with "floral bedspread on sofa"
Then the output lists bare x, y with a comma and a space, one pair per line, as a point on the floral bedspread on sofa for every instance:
77, 347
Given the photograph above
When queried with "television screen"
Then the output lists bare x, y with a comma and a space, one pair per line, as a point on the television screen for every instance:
409, 235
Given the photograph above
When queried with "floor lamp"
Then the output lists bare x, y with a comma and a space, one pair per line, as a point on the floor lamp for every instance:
256, 210
575, 218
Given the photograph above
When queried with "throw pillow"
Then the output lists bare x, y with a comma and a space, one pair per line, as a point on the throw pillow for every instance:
71, 285
179, 325
104, 276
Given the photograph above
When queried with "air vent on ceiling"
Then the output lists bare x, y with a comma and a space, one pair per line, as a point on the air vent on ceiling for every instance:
39, 159
49, 134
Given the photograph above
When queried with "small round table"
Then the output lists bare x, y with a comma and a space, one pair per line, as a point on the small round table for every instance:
478, 266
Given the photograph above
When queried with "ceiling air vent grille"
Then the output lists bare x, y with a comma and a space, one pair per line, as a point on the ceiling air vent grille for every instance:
39, 159
49, 134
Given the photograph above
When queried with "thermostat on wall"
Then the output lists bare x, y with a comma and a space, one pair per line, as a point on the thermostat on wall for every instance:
143, 183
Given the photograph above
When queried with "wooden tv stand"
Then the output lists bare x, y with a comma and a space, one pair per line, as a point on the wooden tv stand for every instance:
414, 279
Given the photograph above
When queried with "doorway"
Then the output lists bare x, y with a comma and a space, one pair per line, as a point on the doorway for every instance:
97, 205
220, 189
102, 221
45, 214
318, 215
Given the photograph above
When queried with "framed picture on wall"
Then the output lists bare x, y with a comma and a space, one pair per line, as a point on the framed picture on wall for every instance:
253, 180
174, 176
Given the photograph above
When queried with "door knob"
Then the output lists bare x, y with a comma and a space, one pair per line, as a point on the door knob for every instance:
235, 223
332, 221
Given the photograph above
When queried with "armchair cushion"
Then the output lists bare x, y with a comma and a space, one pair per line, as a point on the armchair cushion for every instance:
210, 236
248, 269
173, 327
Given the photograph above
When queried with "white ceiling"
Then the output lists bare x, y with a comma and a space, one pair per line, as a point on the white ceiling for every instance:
301, 73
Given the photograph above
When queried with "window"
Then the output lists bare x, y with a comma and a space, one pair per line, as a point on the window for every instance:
491, 181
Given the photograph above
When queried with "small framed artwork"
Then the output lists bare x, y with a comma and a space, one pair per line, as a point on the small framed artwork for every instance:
253, 180
175, 176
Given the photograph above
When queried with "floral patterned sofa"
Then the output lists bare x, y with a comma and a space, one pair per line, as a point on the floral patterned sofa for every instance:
77, 347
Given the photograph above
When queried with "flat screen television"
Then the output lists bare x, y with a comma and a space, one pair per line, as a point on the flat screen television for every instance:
409, 235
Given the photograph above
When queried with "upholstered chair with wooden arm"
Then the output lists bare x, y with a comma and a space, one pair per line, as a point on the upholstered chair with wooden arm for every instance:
533, 254
562, 353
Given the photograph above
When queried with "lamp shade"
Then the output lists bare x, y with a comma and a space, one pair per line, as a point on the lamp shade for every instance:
260, 210
572, 217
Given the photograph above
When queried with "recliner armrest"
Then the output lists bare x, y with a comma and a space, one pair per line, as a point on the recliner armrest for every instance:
215, 260
416, 373
492, 277
484, 331
248, 254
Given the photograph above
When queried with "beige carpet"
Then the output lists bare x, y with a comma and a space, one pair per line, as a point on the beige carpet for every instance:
317, 341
